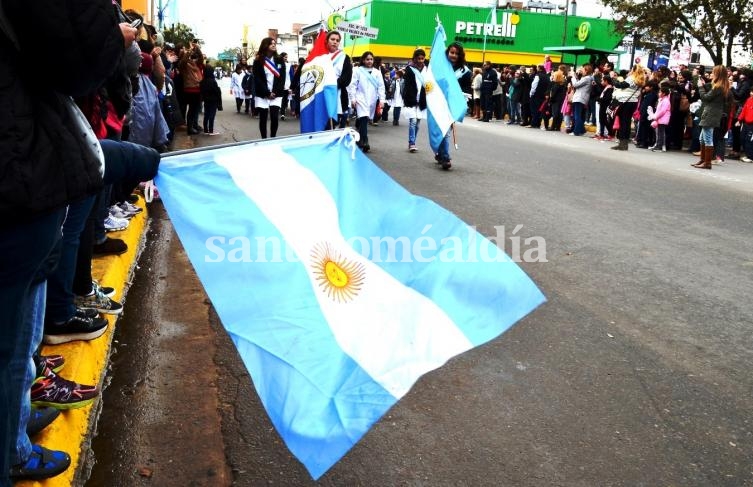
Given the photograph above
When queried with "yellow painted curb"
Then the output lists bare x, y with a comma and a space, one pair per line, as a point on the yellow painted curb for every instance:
86, 362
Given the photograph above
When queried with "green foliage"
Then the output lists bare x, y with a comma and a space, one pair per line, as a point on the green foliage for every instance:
718, 25
179, 34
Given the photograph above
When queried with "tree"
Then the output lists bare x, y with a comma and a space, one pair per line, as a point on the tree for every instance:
179, 34
717, 25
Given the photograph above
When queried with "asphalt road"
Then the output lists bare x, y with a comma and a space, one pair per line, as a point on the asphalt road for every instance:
636, 372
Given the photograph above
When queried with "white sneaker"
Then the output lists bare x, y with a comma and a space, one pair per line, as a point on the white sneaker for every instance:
129, 208
746, 159
113, 224
118, 212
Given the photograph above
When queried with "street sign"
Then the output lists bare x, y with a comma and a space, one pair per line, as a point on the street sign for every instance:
358, 30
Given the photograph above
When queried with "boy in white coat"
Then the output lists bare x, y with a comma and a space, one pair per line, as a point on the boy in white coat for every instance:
366, 89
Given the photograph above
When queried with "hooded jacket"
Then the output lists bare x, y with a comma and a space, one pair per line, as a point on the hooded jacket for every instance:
45, 163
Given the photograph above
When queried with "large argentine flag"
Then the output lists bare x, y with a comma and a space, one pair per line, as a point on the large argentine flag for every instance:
359, 287
444, 98
318, 88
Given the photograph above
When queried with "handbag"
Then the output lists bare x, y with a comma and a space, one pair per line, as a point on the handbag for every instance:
612, 109
545, 108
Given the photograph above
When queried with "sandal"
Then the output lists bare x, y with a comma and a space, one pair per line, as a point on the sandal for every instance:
42, 464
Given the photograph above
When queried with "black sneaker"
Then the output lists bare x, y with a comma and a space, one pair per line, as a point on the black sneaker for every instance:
99, 301
111, 246
77, 328
106, 290
42, 464
40, 418
54, 362
49, 389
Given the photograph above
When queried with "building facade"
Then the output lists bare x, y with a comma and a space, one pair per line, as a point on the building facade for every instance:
516, 36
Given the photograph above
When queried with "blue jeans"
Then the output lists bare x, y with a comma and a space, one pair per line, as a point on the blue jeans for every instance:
60, 307
592, 110
210, 112
444, 147
24, 252
514, 111
413, 125
396, 115
707, 136
746, 132
578, 127
24, 369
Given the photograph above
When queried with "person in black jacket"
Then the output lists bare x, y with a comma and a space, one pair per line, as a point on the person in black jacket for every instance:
45, 165
212, 96
269, 85
606, 129
740, 91
414, 96
538, 93
489, 81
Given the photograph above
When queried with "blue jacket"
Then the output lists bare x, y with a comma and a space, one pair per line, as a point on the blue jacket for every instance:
148, 126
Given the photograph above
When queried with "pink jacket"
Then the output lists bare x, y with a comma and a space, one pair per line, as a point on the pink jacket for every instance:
663, 111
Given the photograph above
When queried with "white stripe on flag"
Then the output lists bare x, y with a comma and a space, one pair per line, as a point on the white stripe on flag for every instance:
393, 332
436, 102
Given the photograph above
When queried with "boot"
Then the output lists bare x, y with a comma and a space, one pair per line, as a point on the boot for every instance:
708, 153
622, 144
700, 153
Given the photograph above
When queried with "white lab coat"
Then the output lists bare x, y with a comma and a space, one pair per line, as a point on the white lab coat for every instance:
365, 90
235, 84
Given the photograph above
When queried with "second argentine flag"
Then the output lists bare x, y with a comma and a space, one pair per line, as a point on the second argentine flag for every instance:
445, 101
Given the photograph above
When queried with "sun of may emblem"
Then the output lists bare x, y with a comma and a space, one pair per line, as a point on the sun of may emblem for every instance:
428, 86
339, 277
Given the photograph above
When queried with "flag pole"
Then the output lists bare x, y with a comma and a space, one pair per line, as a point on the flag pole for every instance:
454, 137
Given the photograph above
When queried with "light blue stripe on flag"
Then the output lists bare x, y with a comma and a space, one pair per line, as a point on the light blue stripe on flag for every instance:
320, 398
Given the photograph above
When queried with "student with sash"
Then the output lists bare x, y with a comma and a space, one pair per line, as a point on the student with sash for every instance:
365, 91
344, 72
414, 95
269, 83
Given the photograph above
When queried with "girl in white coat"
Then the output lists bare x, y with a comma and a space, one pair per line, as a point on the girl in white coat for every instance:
236, 89
366, 89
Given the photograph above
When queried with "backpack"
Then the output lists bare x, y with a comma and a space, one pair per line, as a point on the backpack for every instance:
170, 108
247, 83
389, 90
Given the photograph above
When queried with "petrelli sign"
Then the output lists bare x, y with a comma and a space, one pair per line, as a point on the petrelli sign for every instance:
506, 28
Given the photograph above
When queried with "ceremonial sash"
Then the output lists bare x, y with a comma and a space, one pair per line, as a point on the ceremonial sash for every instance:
371, 78
271, 67
460, 72
419, 82
338, 58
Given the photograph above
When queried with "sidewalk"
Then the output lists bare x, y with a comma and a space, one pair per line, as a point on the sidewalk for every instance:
86, 363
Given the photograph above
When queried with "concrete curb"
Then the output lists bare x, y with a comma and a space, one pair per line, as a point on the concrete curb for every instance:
86, 363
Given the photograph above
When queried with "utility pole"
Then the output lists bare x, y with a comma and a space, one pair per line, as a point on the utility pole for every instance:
564, 31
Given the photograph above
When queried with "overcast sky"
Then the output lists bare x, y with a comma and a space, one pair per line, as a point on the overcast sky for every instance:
219, 23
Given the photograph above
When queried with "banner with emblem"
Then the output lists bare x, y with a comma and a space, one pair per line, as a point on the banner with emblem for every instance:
318, 87
338, 287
